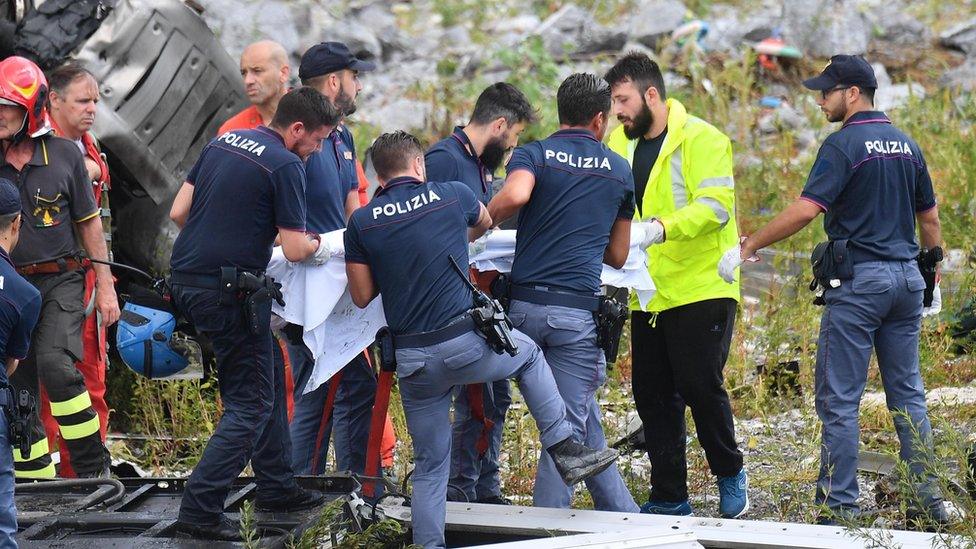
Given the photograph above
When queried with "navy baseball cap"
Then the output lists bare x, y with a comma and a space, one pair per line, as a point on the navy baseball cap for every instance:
844, 70
9, 197
329, 57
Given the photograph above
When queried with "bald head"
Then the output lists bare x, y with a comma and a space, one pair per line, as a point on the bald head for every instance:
265, 70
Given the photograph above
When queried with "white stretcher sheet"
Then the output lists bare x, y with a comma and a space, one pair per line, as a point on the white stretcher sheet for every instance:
316, 298
335, 330
495, 251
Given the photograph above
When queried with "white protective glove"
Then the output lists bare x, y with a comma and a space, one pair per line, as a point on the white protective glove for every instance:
650, 232
936, 306
731, 260
322, 254
478, 246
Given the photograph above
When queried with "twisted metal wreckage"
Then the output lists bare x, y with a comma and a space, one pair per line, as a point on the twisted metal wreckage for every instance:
166, 85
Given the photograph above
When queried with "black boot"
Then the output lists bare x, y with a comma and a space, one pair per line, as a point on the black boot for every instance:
224, 530
494, 500
297, 500
938, 516
576, 462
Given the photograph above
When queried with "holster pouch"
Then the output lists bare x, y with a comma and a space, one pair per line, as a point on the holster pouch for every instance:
928, 261
501, 289
384, 340
19, 409
610, 320
228, 286
489, 316
494, 325
832, 262
257, 291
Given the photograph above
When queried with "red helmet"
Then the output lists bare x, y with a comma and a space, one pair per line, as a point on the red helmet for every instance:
22, 83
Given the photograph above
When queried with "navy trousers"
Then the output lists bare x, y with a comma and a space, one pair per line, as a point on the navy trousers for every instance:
254, 425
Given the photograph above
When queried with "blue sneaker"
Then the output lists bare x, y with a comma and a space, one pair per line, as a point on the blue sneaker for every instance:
676, 508
733, 495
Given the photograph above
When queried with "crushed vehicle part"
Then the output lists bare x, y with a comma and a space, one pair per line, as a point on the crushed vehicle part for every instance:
166, 85
60, 513
49, 31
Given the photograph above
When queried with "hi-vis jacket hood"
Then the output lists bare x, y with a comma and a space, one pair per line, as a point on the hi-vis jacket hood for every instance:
691, 191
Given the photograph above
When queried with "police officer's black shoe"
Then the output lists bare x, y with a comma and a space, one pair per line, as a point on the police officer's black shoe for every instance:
936, 517
225, 530
296, 500
494, 500
576, 462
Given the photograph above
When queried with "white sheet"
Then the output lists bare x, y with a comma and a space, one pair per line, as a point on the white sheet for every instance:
316, 298
495, 251
335, 330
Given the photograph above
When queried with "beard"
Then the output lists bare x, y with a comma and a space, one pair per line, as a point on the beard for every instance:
345, 103
641, 123
493, 154
838, 115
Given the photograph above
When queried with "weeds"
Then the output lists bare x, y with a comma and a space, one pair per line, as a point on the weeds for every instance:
332, 529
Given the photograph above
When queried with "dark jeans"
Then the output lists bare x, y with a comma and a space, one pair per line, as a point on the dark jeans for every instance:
678, 360
348, 421
254, 425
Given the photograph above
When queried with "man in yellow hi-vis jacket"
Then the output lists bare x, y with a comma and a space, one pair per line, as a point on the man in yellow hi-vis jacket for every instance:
682, 170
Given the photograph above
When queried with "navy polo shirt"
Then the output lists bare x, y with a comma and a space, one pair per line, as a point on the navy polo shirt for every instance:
20, 305
246, 186
331, 175
581, 189
871, 179
406, 235
451, 159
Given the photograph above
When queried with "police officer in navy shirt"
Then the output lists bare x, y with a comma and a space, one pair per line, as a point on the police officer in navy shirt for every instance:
575, 199
872, 183
332, 195
471, 155
401, 244
20, 306
247, 188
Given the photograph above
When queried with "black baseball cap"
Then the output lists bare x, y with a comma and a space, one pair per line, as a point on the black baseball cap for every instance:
844, 70
329, 57
9, 197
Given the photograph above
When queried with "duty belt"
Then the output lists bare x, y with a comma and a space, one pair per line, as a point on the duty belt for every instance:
545, 296
206, 282
61, 265
251, 290
459, 326
229, 280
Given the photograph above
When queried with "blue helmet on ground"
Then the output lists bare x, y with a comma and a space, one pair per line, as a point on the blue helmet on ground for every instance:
145, 341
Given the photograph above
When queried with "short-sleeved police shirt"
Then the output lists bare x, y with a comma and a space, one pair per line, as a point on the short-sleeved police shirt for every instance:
581, 189
452, 159
56, 193
871, 179
331, 176
406, 234
20, 305
246, 186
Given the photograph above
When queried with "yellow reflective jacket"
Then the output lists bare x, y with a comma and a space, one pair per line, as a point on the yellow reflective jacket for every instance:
691, 191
